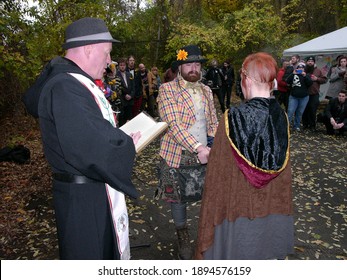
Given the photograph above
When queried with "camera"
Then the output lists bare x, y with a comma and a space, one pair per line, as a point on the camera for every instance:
298, 71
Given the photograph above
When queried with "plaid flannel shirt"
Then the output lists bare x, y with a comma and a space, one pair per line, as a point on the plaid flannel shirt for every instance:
176, 107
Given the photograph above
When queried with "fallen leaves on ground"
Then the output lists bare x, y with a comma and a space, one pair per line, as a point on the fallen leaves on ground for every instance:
27, 225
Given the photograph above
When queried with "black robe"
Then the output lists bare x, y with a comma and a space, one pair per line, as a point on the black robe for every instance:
78, 140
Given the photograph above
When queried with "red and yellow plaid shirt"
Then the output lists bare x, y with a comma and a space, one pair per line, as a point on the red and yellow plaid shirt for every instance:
177, 109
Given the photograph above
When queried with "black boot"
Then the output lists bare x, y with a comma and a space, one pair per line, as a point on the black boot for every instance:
184, 247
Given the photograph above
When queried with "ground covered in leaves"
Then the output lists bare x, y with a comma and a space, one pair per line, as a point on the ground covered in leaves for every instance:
27, 226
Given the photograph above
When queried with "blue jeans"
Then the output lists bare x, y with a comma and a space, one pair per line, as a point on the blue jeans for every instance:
296, 106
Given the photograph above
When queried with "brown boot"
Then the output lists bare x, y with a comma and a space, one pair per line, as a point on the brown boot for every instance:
184, 248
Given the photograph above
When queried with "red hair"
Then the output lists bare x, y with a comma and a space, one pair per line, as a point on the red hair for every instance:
260, 67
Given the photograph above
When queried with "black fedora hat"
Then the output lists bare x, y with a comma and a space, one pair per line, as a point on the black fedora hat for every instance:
86, 31
189, 54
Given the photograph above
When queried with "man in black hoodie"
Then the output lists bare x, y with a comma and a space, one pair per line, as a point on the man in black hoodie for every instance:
91, 160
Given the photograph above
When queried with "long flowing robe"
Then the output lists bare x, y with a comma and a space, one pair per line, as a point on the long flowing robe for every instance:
78, 140
246, 210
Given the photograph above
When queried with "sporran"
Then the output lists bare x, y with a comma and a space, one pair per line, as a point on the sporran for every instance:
183, 184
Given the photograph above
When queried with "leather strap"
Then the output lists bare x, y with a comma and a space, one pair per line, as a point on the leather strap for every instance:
75, 179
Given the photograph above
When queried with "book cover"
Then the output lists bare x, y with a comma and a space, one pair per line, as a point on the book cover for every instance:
149, 128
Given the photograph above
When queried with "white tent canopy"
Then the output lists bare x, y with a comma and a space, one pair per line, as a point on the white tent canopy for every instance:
332, 43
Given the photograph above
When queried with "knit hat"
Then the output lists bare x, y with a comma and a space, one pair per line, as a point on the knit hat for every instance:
301, 64
86, 31
310, 58
189, 54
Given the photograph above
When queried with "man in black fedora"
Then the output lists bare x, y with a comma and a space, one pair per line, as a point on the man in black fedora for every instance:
187, 106
91, 159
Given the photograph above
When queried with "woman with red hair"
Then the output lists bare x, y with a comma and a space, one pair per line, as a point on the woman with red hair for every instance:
246, 210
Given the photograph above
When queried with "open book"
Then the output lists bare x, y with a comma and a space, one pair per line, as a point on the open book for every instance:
149, 128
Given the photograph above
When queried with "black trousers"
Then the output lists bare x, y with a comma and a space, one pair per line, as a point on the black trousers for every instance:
126, 114
283, 98
330, 128
84, 223
226, 91
309, 117
221, 97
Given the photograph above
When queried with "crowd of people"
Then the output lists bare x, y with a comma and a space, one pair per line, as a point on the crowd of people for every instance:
131, 94
130, 90
241, 161
298, 88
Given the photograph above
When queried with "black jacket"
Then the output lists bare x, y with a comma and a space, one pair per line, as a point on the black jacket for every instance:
337, 110
230, 76
127, 87
76, 137
215, 75
299, 85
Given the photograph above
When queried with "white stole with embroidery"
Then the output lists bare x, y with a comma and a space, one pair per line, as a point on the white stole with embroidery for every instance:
116, 199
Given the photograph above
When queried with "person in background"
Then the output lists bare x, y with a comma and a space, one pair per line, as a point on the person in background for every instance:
336, 82
131, 65
246, 209
238, 87
335, 114
227, 84
299, 83
334, 64
150, 89
91, 159
127, 92
159, 83
171, 73
105, 87
111, 79
187, 106
282, 87
309, 116
137, 107
110, 95
113, 82
154, 82
145, 105
293, 64
214, 77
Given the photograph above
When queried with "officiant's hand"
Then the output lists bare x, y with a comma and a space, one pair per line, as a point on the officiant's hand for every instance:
136, 137
203, 153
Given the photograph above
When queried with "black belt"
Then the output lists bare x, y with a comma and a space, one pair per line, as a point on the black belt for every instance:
75, 179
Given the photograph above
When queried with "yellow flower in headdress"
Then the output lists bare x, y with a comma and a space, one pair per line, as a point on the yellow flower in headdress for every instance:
182, 55
112, 66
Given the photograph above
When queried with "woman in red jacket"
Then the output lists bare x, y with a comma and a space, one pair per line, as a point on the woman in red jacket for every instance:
283, 92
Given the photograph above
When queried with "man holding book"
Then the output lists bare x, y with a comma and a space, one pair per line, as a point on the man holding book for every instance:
91, 159
187, 106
